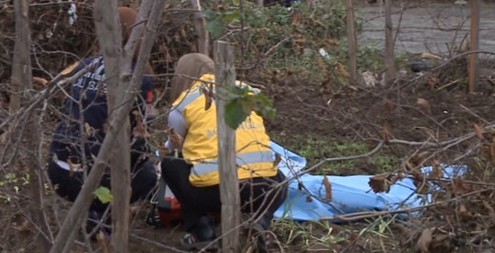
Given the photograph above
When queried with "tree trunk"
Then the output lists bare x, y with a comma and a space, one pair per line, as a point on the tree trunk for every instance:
229, 183
29, 155
36, 182
21, 66
389, 44
200, 23
108, 26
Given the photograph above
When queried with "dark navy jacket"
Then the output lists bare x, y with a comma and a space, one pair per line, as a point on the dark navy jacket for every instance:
86, 112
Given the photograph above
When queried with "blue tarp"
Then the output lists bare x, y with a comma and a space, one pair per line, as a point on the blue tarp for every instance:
350, 194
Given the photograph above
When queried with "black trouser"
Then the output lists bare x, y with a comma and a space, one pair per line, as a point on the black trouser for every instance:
68, 186
257, 195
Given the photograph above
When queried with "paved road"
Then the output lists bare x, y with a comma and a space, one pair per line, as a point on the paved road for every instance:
428, 28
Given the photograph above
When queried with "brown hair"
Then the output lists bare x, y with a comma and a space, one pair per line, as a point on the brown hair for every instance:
128, 19
189, 67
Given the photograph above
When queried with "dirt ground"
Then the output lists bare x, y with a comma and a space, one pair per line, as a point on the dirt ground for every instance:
368, 115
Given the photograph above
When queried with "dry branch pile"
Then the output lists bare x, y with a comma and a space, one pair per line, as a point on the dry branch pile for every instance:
58, 43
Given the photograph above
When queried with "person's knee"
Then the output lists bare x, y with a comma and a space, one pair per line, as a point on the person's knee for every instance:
65, 185
174, 168
147, 174
144, 181
170, 163
150, 171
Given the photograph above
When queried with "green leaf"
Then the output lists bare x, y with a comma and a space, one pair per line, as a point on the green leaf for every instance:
210, 15
264, 106
266, 112
235, 114
231, 16
216, 28
103, 194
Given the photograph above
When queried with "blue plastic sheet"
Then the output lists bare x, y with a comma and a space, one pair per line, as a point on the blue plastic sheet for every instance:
350, 194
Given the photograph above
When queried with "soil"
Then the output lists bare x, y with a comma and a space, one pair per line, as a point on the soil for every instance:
430, 107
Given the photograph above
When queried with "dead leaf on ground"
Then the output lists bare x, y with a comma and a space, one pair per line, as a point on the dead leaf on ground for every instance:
441, 243
309, 199
409, 166
326, 85
380, 183
424, 241
297, 19
420, 158
432, 81
422, 186
298, 40
437, 171
388, 105
331, 42
424, 105
459, 187
478, 131
386, 135
351, 90
340, 70
328, 189
462, 210
399, 176
25, 226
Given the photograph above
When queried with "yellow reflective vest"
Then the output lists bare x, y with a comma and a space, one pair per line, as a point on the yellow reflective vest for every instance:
254, 157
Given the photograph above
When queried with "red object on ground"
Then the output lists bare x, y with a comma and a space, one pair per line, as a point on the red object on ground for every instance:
170, 212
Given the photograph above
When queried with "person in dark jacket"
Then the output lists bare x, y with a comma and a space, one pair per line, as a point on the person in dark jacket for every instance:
81, 130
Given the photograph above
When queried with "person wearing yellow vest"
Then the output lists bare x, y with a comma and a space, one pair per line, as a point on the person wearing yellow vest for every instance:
191, 171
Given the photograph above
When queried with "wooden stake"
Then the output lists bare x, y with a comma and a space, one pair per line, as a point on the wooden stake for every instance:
389, 44
474, 45
229, 183
351, 38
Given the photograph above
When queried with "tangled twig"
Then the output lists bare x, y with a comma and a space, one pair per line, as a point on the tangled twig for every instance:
366, 215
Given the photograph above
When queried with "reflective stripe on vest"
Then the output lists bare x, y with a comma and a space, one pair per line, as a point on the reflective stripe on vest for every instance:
242, 160
190, 97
